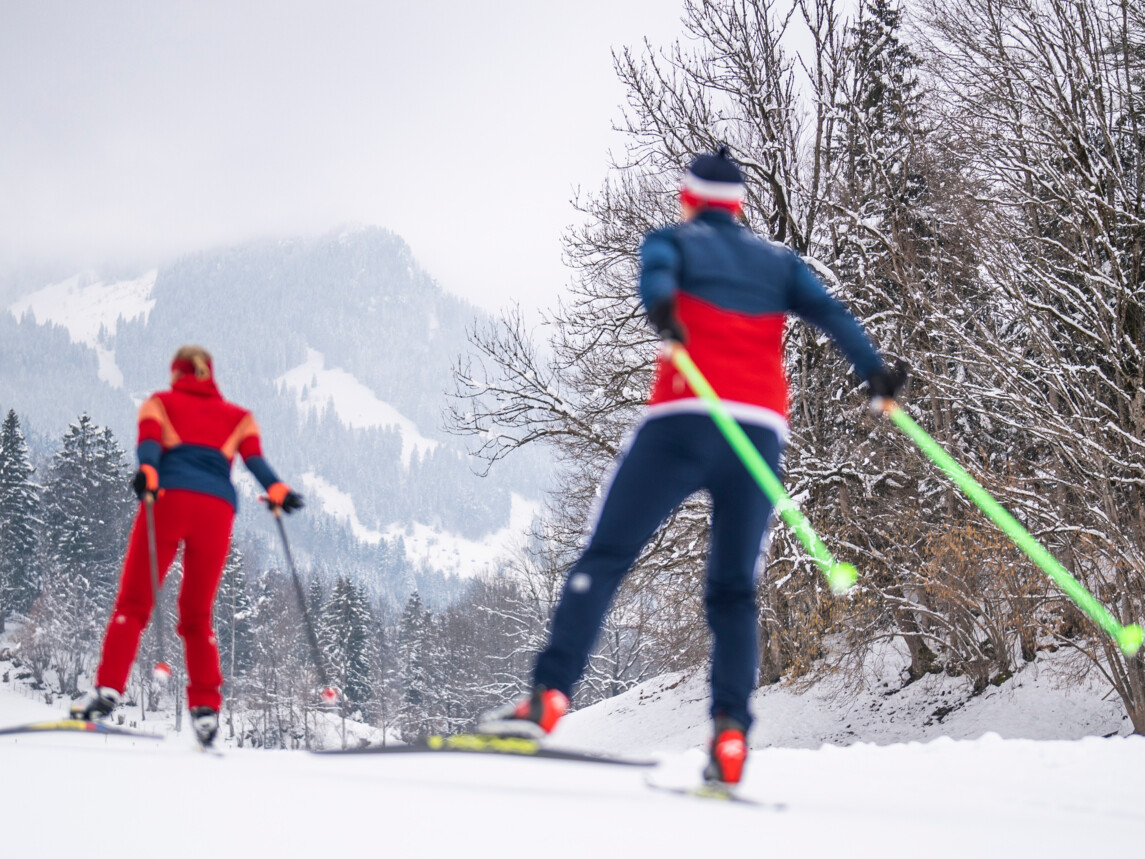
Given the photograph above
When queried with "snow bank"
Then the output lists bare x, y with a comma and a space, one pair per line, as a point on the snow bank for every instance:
671, 712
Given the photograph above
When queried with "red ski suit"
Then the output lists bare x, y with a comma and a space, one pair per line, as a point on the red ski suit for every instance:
190, 434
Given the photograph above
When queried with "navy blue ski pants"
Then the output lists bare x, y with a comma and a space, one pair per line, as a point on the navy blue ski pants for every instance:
670, 458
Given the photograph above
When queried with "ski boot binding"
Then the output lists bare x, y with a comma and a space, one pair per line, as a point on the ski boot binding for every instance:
533, 716
95, 703
205, 723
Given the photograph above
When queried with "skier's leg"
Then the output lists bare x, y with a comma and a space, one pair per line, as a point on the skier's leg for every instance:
658, 472
134, 601
740, 514
204, 558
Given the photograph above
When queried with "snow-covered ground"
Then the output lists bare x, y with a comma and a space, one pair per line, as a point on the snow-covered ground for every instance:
85, 306
893, 787
672, 711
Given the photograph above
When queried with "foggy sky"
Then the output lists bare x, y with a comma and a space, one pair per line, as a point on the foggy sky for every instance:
133, 132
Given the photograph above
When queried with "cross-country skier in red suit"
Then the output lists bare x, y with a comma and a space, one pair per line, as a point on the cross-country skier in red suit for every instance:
713, 285
188, 436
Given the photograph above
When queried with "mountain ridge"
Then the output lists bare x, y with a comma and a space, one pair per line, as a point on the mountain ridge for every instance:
355, 297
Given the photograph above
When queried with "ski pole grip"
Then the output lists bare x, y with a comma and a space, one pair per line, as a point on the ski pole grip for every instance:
882, 406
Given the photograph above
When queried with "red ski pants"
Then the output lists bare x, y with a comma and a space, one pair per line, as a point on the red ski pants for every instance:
202, 523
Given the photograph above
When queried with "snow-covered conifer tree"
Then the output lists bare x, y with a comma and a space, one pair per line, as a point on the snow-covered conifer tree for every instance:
19, 501
86, 514
345, 635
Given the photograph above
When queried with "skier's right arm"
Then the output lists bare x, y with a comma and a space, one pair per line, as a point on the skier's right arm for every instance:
659, 264
152, 419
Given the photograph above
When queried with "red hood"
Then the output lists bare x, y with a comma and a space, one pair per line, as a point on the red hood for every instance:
188, 384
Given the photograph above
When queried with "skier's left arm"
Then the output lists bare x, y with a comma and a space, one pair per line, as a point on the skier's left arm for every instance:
250, 449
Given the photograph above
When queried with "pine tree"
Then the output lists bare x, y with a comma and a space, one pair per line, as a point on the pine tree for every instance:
315, 597
88, 507
114, 501
68, 525
416, 681
233, 616
345, 634
883, 245
19, 500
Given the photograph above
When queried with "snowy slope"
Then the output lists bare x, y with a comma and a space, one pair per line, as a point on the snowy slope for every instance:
426, 545
85, 306
944, 798
450, 553
338, 504
315, 388
671, 712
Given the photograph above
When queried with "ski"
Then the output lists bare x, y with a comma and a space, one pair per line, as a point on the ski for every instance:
80, 726
489, 744
716, 792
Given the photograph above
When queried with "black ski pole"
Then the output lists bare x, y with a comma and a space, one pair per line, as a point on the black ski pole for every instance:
329, 693
162, 671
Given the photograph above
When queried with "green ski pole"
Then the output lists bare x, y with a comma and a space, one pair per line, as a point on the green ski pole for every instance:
1128, 638
839, 576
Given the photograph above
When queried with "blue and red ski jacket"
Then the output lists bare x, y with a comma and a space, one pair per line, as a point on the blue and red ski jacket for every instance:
190, 435
733, 291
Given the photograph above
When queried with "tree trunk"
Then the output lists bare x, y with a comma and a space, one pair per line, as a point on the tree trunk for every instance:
771, 655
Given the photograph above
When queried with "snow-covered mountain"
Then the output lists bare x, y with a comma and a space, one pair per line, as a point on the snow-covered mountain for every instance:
341, 345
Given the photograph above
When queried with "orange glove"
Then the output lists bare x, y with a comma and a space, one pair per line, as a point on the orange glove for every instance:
281, 495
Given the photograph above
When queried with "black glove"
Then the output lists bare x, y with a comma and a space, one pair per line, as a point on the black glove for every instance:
666, 323
292, 502
145, 482
886, 384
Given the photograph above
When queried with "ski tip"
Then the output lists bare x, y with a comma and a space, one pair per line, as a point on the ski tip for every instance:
1129, 639
842, 577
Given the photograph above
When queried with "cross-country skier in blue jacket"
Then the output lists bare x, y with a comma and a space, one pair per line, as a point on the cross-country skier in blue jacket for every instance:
712, 284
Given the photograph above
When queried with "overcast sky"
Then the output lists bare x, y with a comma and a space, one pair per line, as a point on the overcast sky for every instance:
137, 131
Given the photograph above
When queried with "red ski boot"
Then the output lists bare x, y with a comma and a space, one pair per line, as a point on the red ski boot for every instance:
532, 716
729, 751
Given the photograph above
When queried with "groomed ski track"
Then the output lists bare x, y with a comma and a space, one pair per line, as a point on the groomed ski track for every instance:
1055, 788
987, 797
